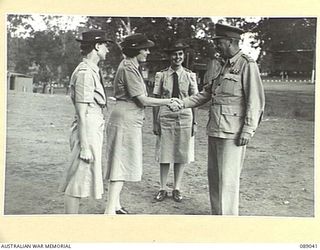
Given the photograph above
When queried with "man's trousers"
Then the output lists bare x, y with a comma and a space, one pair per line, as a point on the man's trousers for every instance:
225, 160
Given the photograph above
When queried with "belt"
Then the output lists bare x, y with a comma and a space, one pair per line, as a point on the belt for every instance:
99, 104
102, 106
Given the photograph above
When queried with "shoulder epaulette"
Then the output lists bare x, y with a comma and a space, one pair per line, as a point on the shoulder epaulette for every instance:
248, 58
126, 63
164, 69
187, 70
82, 69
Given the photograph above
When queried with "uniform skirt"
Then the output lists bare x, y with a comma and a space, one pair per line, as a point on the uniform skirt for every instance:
175, 144
81, 179
124, 142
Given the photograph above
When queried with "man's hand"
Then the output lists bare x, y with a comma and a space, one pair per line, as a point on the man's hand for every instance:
176, 104
86, 154
244, 139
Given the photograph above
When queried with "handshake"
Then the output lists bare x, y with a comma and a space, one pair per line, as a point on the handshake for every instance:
175, 104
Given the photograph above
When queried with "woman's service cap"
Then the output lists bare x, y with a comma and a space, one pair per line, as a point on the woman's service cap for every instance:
175, 46
136, 41
94, 36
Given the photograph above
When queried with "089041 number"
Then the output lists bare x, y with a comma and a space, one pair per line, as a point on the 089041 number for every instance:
308, 246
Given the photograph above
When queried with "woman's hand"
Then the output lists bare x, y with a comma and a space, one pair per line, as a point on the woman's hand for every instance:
86, 154
156, 127
194, 129
176, 104
156, 130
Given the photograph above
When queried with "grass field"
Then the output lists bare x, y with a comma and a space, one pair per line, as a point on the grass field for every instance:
277, 179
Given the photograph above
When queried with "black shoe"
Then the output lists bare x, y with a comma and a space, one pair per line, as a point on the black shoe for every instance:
176, 195
161, 195
122, 211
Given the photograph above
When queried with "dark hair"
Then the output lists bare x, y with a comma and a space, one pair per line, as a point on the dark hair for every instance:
86, 48
130, 52
170, 52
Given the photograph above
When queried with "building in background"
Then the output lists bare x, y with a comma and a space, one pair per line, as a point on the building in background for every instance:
19, 82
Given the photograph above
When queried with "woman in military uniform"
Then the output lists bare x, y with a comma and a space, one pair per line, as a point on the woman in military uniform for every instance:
175, 130
83, 177
124, 129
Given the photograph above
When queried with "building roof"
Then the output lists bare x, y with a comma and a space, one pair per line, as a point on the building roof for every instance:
18, 74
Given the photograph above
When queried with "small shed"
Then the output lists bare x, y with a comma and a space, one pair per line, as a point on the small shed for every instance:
19, 82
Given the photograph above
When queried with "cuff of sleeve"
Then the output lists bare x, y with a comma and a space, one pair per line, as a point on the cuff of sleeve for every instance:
187, 103
84, 101
248, 130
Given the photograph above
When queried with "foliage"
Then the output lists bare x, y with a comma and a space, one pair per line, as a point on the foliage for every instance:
48, 55
288, 43
52, 54
19, 24
196, 32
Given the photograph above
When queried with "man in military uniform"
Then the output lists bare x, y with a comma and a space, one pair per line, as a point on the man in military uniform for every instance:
237, 104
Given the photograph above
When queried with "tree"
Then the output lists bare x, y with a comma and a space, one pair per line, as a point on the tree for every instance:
162, 30
288, 44
49, 54
19, 25
45, 49
17, 28
70, 54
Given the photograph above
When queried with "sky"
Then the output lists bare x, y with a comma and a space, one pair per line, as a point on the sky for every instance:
65, 22
72, 21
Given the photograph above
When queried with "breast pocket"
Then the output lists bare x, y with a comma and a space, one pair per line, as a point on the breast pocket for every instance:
230, 84
184, 88
166, 90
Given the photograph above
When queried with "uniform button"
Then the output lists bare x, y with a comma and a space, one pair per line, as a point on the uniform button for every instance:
235, 114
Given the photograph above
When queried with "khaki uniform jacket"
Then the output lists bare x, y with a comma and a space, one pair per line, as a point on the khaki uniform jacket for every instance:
128, 81
237, 98
164, 83
86, 84
163, 88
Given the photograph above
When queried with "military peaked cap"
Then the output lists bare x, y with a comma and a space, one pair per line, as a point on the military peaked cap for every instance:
227, 31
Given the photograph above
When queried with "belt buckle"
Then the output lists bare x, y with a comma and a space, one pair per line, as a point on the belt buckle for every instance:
102, 106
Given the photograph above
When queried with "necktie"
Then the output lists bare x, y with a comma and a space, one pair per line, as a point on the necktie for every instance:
175, 87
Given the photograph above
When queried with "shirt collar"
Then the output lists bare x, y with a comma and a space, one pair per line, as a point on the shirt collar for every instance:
134, 61
233, 59
179, 71
91, 65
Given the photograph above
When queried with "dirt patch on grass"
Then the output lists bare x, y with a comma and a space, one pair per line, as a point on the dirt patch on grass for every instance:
277, 179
